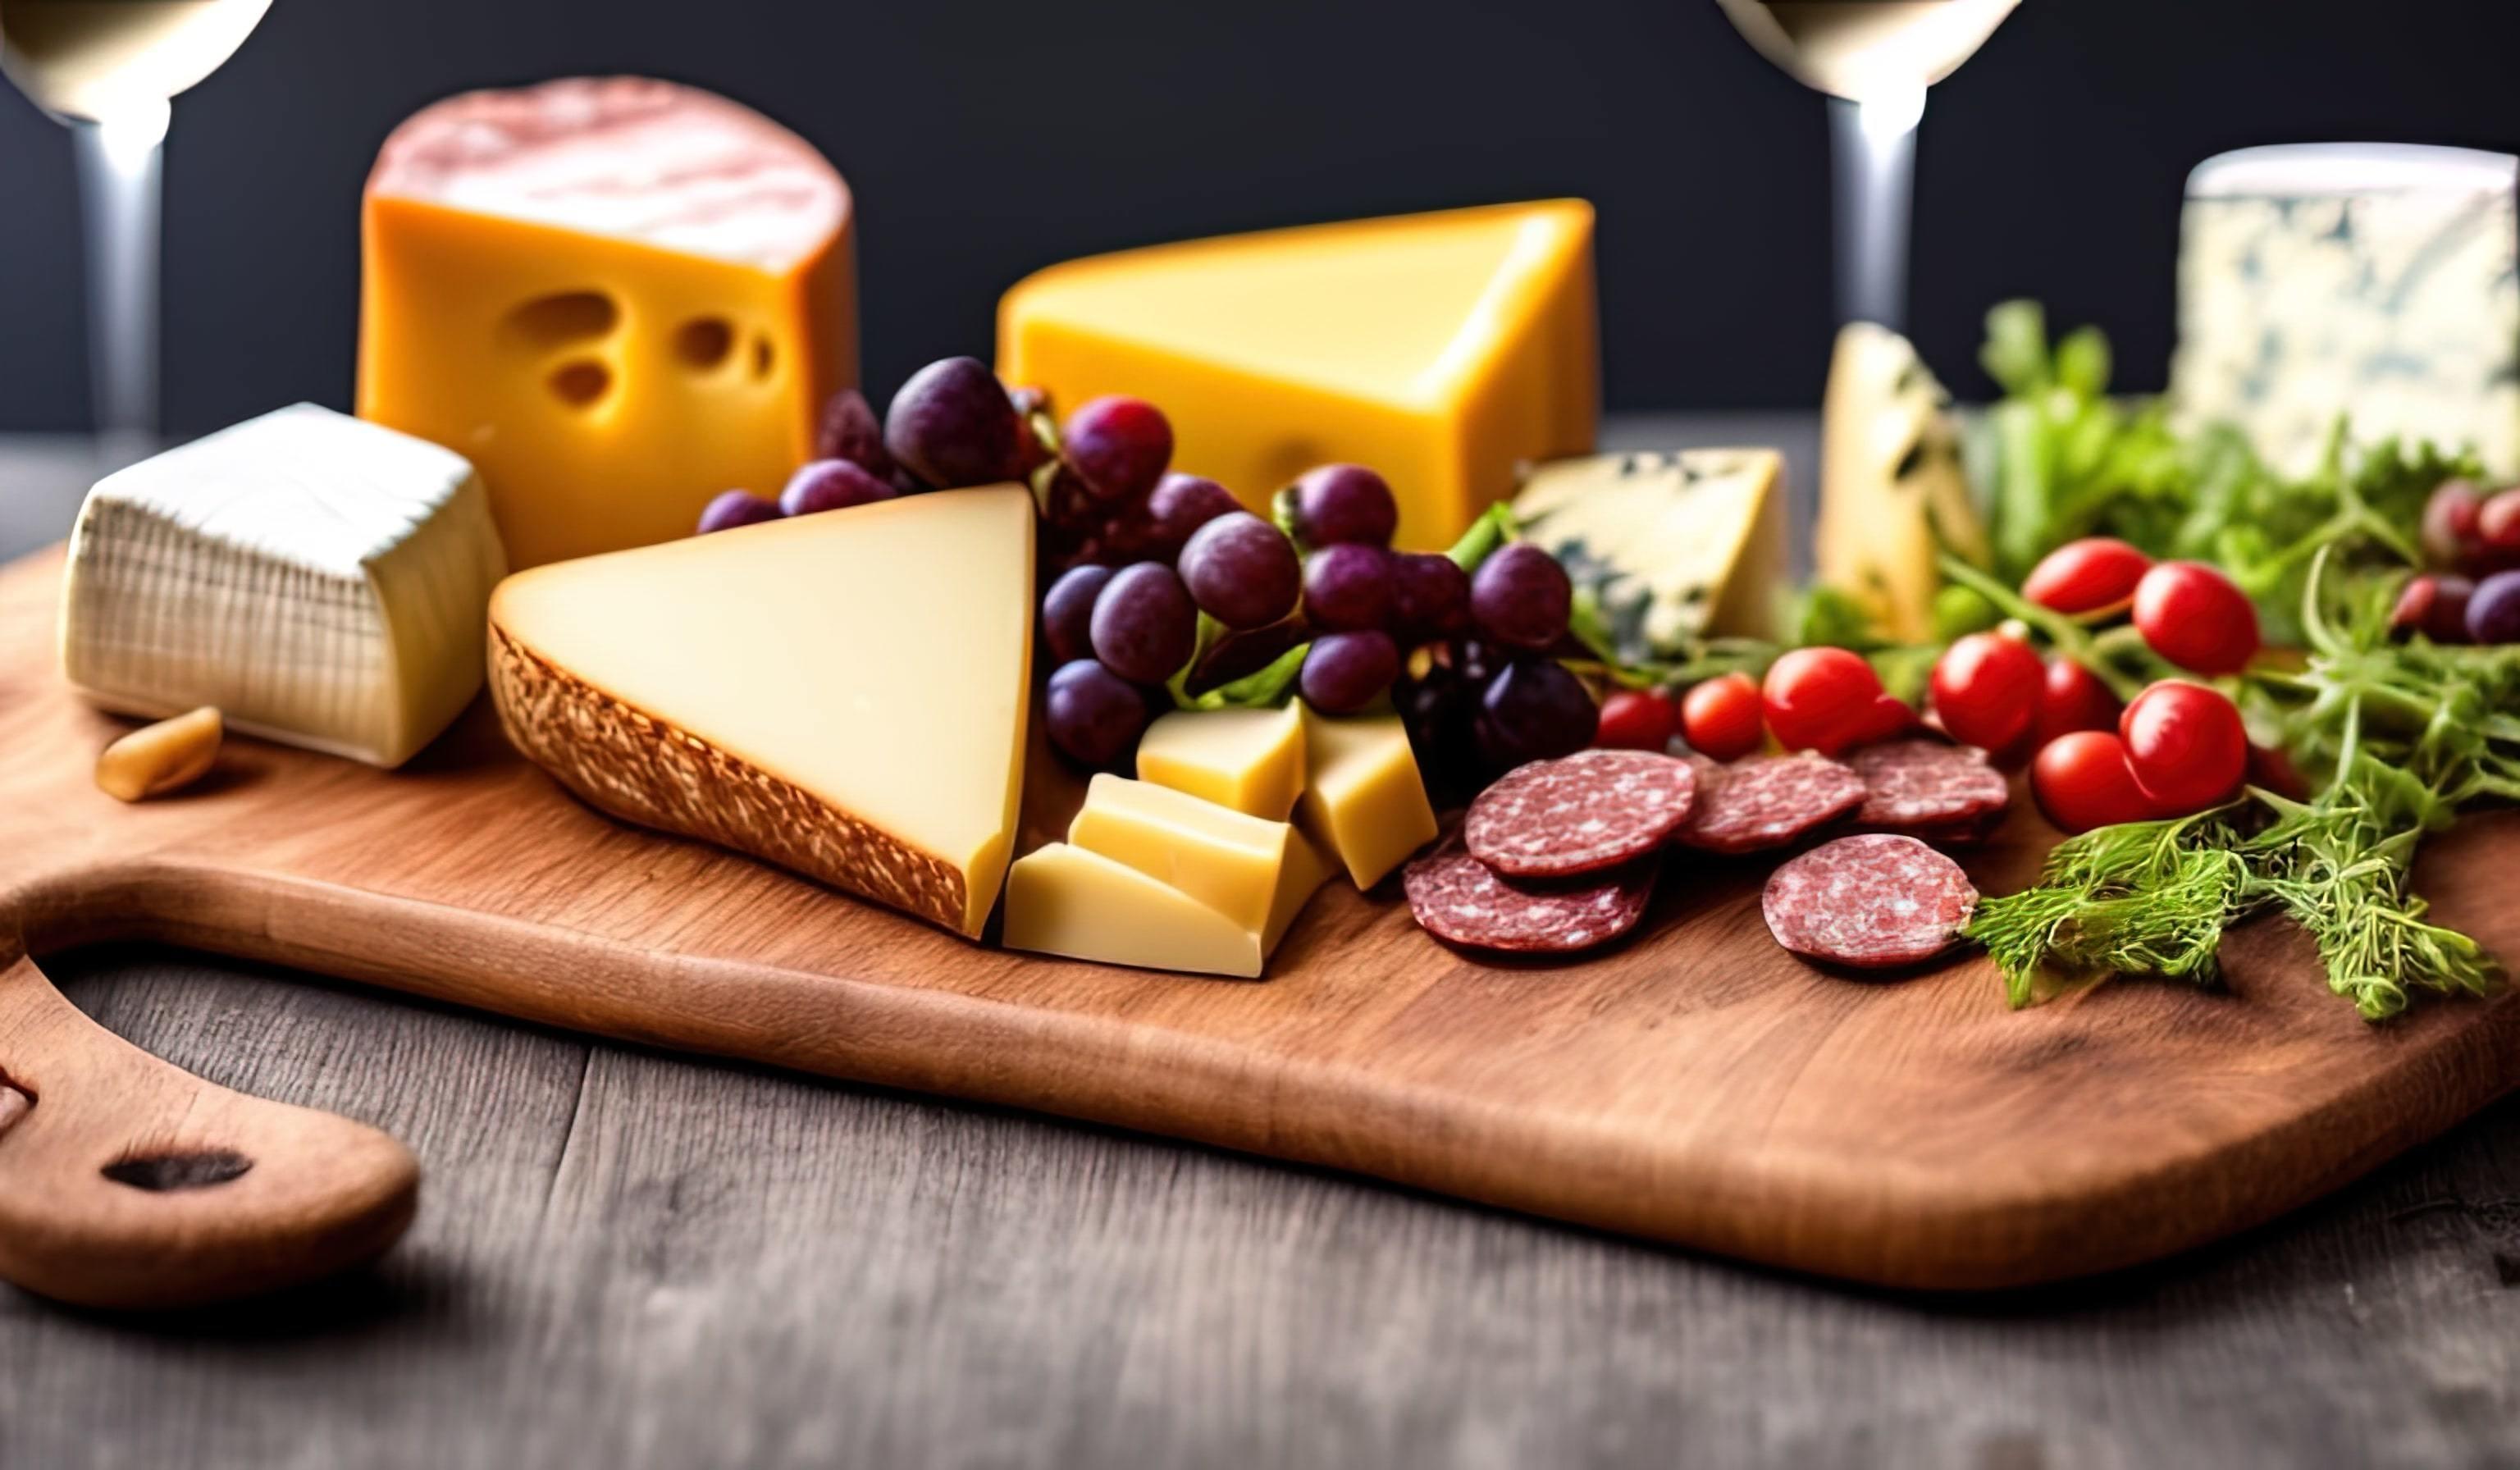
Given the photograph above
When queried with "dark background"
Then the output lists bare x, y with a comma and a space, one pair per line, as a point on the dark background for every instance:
985, 140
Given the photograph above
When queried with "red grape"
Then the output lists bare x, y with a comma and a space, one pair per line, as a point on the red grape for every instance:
2493, 611
1430, 595
2448, 531
1241, 571
1183, 503
1093, 714
1118, 446
1532, 710
1067, 613
1344, 503
830, 485
1347, 585
736, 508
2446, 620
849, 431
1520, 597
1343, 671
951, 425
1144, 626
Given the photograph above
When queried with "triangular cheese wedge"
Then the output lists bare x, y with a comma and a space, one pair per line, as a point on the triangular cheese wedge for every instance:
1440, 349
841, 693
1892, 494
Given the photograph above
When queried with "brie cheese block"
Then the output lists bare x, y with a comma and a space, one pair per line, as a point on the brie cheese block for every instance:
2381, 280
843, 694
1892, 493
1672, 548
320, 580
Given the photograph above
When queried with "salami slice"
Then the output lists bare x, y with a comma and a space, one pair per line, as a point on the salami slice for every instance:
1459, 899
1875, 901
1926, 788
1768, 801
1590, 811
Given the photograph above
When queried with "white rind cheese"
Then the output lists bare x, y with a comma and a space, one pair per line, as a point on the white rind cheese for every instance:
321, 581
1670, 547
2379, 280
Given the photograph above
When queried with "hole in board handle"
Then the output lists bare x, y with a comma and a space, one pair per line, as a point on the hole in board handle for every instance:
161, 1174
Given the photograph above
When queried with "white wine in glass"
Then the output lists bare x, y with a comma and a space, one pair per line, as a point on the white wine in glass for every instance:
1876, 59
108, 69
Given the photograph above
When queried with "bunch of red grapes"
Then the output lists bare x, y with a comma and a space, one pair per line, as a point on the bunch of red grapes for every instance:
2475, 539
1140, 551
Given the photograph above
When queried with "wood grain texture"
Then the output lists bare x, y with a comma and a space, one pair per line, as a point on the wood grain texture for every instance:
1698, 1085
637, 1259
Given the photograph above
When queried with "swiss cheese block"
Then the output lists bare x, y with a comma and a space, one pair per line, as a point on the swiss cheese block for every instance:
320, 580
2376, 280
843, 694
1251, 760
618, 297
1893, 495
1670, 547
1364, 800
1440, 349
1254, 871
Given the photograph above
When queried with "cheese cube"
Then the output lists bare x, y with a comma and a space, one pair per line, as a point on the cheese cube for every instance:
618, 297
844, 695
1672, 548
1254, 871
2379, 279
1363, 799
321, 581
1063, 900
1440, 349
1250, 760
1892, 493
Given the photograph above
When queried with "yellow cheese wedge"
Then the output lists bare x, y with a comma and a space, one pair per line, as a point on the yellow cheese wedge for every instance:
1063, 900
1250, 870
841, 693
1251, 760
617, 297
1892, 494
1440, 349
1364, 800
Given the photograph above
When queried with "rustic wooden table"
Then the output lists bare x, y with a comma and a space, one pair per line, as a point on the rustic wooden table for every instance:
634, 1259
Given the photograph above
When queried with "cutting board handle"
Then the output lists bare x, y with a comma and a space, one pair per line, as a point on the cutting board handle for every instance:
126, 1182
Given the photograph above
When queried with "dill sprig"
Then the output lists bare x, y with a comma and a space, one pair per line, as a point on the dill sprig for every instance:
2405, 735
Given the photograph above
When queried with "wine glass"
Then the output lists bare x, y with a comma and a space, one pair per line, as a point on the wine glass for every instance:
107, 69
1876, 59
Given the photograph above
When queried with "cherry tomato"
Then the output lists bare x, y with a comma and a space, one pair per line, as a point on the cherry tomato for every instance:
1813, 695
2271, 769
1721, 718
1636, 720
2082, 781
2095, 575
2193, 616
1888, 719
1986, 688
2186, 745
2071, 698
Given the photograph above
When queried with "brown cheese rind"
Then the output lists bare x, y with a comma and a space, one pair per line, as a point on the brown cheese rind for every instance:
644, 770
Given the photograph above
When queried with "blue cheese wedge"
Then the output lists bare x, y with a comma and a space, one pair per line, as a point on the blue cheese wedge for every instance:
1671, 548
320, 580
1893, 496
2377, 279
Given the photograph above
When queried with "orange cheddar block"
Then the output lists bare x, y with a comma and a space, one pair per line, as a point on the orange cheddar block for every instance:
617, 297
1440, 349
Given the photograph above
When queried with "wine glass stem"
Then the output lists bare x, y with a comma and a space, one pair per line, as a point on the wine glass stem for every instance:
1873, 144
119, 191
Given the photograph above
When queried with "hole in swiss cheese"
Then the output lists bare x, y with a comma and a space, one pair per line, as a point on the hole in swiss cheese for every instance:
160, 1173
703, 342
578, 384
560, 320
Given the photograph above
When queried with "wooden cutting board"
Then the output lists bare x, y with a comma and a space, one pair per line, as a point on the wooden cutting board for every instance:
1698, 1085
